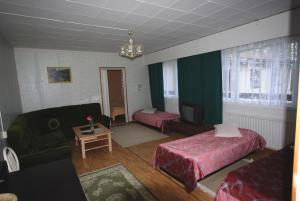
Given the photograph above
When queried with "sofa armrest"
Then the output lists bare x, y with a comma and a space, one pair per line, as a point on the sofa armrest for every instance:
106, 121
45, 156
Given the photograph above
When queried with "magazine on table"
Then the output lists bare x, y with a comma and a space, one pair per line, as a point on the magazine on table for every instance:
87, 130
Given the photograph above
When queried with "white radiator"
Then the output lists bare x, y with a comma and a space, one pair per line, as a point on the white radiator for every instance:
277, 132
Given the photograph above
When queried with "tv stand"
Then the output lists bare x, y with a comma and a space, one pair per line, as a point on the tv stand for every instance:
180, 126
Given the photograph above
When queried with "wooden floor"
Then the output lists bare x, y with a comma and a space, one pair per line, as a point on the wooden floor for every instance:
138, 160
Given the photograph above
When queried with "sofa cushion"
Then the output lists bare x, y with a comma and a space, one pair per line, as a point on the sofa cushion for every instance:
53, 124
44, 121
20, 139
49, 124
50, 140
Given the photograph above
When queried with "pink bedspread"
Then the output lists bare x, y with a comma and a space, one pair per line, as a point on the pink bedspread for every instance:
192, 158
158, 119
268, 179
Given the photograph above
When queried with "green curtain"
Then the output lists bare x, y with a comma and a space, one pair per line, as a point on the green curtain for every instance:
200, 82
157, 86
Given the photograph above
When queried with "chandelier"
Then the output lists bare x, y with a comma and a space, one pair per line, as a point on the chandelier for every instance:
131, 50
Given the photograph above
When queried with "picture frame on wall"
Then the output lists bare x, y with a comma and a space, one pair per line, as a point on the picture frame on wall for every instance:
59, 74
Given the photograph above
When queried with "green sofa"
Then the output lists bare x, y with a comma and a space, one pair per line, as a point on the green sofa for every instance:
43, 136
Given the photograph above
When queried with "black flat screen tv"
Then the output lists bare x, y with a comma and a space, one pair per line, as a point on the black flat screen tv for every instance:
191, 113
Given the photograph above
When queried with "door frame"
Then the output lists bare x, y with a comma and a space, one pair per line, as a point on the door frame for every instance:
123, 69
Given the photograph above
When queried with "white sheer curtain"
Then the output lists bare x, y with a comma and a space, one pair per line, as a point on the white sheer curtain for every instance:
171, 86
262, 73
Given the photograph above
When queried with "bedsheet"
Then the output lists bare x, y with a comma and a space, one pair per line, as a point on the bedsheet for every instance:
158, 119
192, 158
267, 179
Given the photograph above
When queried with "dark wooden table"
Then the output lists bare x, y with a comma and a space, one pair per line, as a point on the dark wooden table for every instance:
55, 181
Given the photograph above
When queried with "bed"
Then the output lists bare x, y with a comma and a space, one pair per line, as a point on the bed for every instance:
267, 179
191, 159
116, 111
158, 119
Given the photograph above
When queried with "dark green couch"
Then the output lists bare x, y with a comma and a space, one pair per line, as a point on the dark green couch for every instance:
42, 136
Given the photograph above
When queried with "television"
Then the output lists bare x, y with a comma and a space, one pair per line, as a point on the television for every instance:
191, 113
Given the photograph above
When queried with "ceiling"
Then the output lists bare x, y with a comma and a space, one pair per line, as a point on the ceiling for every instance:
101, 25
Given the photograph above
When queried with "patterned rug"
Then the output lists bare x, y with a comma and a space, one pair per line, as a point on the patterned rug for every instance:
114, 183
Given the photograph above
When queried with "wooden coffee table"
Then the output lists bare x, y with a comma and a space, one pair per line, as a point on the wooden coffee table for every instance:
103, 135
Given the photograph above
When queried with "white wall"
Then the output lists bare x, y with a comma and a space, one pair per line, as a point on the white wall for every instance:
283, 24
37, 93
276, 125
10, 102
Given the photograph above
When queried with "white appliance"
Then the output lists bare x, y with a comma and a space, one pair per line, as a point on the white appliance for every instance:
3, 132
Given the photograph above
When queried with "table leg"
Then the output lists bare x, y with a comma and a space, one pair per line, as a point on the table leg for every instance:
76, 141
83, 149
109, 143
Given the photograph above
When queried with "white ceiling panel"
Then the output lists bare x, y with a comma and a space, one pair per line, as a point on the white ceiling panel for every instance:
169, 14
79, 9
163, 3
245, 5
135, 19
219, 25
152, 24
170, 26
188, 5
124, 5
147, 10
98, 3
188, 18
225, 13
228, 2
115, 37
268, 8
125, 25
191, 28
33, 29
53, 4
177, 33
113, 15
242, 17
102, 25
208, 9
88, 34
205, 21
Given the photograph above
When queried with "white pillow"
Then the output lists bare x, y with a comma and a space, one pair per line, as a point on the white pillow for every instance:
226, 130
149, 110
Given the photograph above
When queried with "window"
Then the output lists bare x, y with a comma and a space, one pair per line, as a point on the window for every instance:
171, 86
170, 78
262, 73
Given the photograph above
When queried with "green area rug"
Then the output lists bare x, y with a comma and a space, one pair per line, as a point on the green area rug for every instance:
114, 183
133, 134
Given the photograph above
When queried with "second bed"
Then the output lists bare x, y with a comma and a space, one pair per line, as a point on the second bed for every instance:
191, 159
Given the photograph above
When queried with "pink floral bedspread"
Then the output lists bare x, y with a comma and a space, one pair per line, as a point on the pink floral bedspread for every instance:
268, 179
192, 158
158, 119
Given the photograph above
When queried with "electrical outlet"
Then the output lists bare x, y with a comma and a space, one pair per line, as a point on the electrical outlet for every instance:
4, 134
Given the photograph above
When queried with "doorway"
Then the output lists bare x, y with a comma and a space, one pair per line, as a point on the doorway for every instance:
113, 93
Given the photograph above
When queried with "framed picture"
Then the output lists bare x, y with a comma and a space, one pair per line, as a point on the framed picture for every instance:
59, 74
